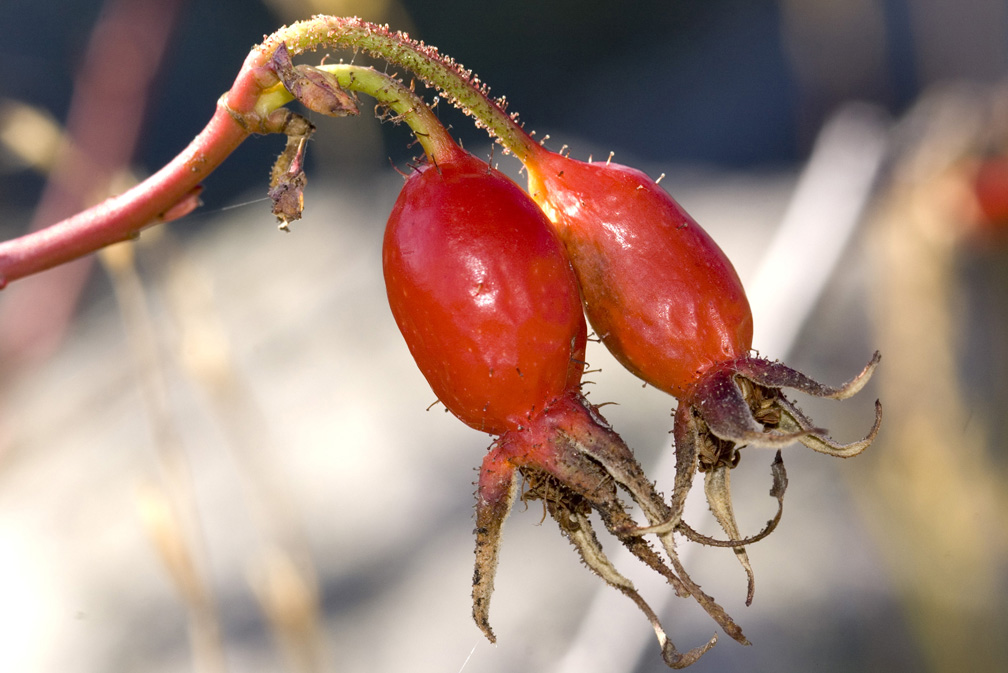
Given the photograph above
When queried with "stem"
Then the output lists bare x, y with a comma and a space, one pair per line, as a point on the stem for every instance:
462, 88
122, 217
160, 197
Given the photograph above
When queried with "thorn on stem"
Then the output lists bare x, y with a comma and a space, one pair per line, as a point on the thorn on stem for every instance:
184, 206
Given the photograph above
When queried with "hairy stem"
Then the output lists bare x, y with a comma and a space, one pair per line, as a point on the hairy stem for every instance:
459, 85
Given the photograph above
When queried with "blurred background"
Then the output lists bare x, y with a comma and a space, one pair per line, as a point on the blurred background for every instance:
216, 454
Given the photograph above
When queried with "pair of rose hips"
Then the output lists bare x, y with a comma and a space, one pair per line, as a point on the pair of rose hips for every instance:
490, 285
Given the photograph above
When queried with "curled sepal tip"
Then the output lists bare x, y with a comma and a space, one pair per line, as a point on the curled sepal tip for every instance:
740, 403
777, 375
584, 540
495, 494
820, 441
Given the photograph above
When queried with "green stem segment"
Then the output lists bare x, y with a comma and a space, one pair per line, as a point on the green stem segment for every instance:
390, 92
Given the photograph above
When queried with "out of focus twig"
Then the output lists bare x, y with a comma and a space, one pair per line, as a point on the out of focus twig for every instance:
103, 125
936, 499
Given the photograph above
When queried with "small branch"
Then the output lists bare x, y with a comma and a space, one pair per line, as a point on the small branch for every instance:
171, 190
111, 94
123, 217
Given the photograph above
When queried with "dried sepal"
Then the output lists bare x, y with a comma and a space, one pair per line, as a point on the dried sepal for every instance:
717, 488
287, 182
584, 540
686, 437
710, 606
316, 89
729, 413
496, 491
611, 453
590, 460
777, 490
738, 404
575, 464
686, 441
823, 443
576, 527
771, 374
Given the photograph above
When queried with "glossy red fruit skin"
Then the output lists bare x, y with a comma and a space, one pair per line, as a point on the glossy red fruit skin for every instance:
483, 293
657, 289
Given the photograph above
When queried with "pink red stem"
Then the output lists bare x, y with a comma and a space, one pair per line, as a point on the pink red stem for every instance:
122, 217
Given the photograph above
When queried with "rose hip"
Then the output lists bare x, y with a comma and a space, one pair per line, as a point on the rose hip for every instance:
658, 291
665, 300
484, 294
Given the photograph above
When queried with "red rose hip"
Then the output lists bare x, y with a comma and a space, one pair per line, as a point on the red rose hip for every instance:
658, 291
483, 293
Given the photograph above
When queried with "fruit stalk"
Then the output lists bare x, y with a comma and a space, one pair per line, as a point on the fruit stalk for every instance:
459, 85
390, 92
